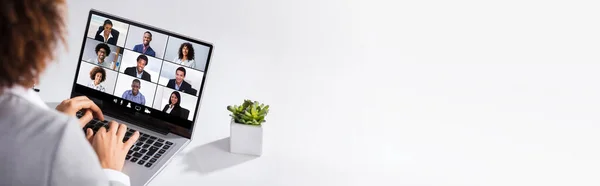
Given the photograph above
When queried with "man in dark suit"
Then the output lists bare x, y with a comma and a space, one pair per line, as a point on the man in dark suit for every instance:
106, 34
145, 48
179, 84
138, 71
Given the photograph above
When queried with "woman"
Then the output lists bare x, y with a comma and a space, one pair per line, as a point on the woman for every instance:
107, 34
97, 76
43, 146
186, 55
173, 108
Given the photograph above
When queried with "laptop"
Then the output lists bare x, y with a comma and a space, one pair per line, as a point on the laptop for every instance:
148, 78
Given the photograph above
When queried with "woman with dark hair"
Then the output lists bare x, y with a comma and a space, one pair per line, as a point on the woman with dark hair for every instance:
41, 145
186, 55
173, 107
107, 34
97, 76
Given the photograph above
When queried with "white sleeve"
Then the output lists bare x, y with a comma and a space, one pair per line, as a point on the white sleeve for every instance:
76, 163
116, 176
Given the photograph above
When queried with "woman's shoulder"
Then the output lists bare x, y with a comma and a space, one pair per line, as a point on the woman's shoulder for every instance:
29, 119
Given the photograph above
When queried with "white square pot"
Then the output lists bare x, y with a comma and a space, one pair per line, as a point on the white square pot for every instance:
245, 139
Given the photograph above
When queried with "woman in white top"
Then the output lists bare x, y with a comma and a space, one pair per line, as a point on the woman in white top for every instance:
97, 76
186, 55
45, 146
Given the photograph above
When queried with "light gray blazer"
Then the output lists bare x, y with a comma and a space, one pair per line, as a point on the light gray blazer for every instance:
43, 147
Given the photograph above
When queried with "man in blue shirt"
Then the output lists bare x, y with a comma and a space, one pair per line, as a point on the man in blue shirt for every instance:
134, 94
145, 48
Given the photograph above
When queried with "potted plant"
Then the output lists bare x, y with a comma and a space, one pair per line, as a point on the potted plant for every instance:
246, 132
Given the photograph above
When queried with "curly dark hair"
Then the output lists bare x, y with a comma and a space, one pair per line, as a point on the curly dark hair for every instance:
96, 70
104, 46
28, 30
190, 55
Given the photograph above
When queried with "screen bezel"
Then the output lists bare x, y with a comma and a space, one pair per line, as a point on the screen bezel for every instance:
113, 105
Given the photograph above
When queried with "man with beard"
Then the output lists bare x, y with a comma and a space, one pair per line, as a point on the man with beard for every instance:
138, 71
145, 48
134, 94
102, 51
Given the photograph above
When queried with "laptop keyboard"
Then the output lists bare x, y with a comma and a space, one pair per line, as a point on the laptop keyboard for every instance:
146, 151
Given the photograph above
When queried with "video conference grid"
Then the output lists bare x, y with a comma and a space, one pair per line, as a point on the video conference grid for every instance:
144, 51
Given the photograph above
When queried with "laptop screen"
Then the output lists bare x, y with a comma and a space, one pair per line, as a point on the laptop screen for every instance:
146, 75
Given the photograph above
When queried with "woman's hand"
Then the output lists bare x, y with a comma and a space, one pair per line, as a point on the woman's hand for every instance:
89, 108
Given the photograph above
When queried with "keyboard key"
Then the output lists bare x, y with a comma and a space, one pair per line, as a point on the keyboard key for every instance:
129, 152
161, 151
148, 164
134, 160
139, 144
143, 151
136, 149
144, 135
125, 139
137, 155
142, 139
152, 160
169, 143
157, 156
146, 157
152, 137
152, 151
141, 162
166, 147
128, 157
161, 140
158, 144
150, 141
145, 146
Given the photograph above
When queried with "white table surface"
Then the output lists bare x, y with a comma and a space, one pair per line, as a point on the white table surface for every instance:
386, 93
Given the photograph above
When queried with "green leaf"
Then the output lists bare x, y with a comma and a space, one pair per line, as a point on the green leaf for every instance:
254, 112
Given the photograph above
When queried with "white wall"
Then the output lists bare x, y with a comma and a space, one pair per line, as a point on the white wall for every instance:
437, 93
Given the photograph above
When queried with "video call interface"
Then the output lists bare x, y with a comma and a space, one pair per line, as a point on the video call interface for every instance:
143, 66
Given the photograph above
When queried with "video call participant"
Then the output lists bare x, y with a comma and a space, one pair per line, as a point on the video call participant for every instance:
145, 48
179, 84
134, 95
97, 76
174, 108
186, 55
102, 51
106, 34
138, 71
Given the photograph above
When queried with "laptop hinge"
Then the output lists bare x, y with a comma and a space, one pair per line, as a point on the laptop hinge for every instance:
133, 117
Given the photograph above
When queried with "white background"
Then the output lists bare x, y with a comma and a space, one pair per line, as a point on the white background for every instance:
200, 52
163, 94
98, 21
84, 77
136, 36
130, 60
388, 93
147, 88
192, 76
